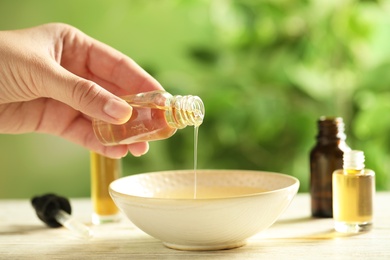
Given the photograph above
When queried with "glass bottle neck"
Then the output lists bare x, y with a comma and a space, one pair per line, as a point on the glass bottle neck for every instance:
184, 111
353, 160
331, 130
330, 140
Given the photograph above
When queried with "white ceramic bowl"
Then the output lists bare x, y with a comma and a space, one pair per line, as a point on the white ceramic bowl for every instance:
223, 222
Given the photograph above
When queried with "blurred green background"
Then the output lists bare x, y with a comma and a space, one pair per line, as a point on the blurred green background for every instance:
266, 71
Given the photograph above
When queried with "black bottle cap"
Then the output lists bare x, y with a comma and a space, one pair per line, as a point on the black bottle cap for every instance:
47, 206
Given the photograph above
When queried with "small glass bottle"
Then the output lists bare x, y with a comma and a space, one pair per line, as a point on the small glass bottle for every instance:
104, 170
353, 195
325, 158
156, 115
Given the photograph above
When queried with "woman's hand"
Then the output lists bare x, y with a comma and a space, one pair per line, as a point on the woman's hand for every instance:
54, 79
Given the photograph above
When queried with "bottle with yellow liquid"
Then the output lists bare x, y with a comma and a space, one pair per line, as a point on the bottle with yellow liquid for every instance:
156, 115
353, 194
104, 170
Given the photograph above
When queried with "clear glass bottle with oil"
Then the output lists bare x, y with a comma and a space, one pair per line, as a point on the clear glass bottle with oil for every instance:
104, 170
353, 194
326, 157
156, 115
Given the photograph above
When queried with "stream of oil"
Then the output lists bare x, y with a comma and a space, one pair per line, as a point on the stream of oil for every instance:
196, 132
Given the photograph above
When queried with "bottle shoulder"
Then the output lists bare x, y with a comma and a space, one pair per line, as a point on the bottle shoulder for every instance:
357, 173
153, 99
329, 148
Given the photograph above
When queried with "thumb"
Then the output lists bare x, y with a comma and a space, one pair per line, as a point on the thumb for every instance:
88, 97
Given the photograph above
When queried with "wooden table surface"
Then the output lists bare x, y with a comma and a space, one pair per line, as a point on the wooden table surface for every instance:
294, 236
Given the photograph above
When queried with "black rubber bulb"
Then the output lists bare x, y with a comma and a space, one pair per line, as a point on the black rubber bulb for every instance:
47, 206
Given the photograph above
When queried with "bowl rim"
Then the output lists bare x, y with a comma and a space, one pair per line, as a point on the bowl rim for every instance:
120, 194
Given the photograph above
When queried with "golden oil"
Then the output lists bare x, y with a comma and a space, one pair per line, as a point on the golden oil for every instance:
156, 115
104, 170
353, 195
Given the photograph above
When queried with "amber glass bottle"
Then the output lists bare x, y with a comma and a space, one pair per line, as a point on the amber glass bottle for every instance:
104, 170
156, 115
325, 158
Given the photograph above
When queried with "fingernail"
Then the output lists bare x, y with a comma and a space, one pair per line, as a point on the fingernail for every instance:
140, 150
118, 109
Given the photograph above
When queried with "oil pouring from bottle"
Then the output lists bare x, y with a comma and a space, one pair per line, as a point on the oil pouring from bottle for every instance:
156, 115
353, 194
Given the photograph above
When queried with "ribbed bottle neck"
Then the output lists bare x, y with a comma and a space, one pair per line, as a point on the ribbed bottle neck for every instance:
185, 111
331, 129
353, 160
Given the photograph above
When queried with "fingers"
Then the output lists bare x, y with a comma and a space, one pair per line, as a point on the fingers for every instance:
138, 149
96, 61
117, 152
85, 61
92, 100
87, 97
79, 131
120, 70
